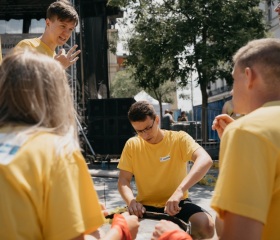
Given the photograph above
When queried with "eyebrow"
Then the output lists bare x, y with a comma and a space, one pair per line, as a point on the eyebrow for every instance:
144, 128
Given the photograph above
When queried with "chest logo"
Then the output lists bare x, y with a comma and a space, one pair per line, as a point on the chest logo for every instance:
164, 159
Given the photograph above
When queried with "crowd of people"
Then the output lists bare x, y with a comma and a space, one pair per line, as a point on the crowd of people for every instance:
47, 192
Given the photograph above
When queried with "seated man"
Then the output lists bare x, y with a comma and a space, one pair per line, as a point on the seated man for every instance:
158, 160
183, 117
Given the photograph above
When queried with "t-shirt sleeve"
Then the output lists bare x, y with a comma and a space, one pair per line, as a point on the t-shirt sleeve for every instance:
72, 205
188, 145
245, 181
23, 44
125, 162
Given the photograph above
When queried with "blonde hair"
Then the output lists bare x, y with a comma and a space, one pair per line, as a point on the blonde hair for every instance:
34, 91
263, 54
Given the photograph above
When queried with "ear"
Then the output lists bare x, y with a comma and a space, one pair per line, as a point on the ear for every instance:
250, 77
157, 119
48, 22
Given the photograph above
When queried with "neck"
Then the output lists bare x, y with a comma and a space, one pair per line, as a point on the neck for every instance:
47, 41
159, 136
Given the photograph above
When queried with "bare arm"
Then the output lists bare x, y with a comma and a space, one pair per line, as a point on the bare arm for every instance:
115, 232
220, 122
125, 190
241, 228
202, 163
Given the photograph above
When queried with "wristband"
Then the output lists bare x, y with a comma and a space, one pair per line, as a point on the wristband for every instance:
175, 235
120, 223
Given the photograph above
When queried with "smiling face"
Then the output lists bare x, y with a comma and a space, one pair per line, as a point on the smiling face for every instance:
58, 31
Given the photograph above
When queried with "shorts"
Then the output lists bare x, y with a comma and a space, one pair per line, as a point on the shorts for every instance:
187, 209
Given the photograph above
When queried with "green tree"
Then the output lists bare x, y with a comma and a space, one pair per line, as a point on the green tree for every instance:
173, 38
124, 85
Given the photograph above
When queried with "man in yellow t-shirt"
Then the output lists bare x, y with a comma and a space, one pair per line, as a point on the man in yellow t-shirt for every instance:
61, 20
247, 193
158, 159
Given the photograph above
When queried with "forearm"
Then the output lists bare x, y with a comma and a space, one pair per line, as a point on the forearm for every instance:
126, 191
200, 167
112, 234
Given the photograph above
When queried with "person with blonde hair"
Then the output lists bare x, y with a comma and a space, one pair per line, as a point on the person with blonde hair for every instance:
46, 190
247, 192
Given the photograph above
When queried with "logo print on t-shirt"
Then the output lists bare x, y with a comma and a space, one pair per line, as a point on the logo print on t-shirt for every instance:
164, 159
9, 145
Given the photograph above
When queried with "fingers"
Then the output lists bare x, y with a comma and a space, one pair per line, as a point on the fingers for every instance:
68, 59
133, 224
226, 118
103, 208
136, 208
72, 54
164, 226
220, 122
172, 208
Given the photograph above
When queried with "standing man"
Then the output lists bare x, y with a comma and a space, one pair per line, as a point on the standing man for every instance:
158, 160
61, 20
247, 193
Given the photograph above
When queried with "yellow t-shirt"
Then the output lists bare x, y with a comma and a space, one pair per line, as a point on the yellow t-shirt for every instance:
43, 195
249, 179
158, 168
37, 44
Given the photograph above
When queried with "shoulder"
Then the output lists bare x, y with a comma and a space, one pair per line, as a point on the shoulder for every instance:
133, 141
32, 42
43, 141
257, 123
177, 135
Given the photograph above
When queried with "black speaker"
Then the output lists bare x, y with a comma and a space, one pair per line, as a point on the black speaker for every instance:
108, 124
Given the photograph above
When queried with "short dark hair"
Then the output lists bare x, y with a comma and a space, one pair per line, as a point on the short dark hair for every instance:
64, 11
140, 110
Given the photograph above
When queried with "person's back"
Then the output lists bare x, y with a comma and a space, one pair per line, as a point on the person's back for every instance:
47, 190
263, 135
166, 120
250, 149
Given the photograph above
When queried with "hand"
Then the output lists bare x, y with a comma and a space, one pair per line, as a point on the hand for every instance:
220, 122
164, 226
103, 208
136, 208
133, 224
67, 59
172, 205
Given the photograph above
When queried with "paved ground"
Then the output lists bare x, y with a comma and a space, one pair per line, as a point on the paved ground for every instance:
105, 181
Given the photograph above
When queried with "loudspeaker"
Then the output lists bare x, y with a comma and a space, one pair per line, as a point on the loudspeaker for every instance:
108, 124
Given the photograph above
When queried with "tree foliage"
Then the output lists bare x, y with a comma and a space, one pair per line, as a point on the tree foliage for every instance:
124, 85
173, 38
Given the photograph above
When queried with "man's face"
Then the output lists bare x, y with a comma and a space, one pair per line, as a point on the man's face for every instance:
147, 129
239, 96
60, 31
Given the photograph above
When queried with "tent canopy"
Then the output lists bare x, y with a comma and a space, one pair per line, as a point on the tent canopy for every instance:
141, 96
